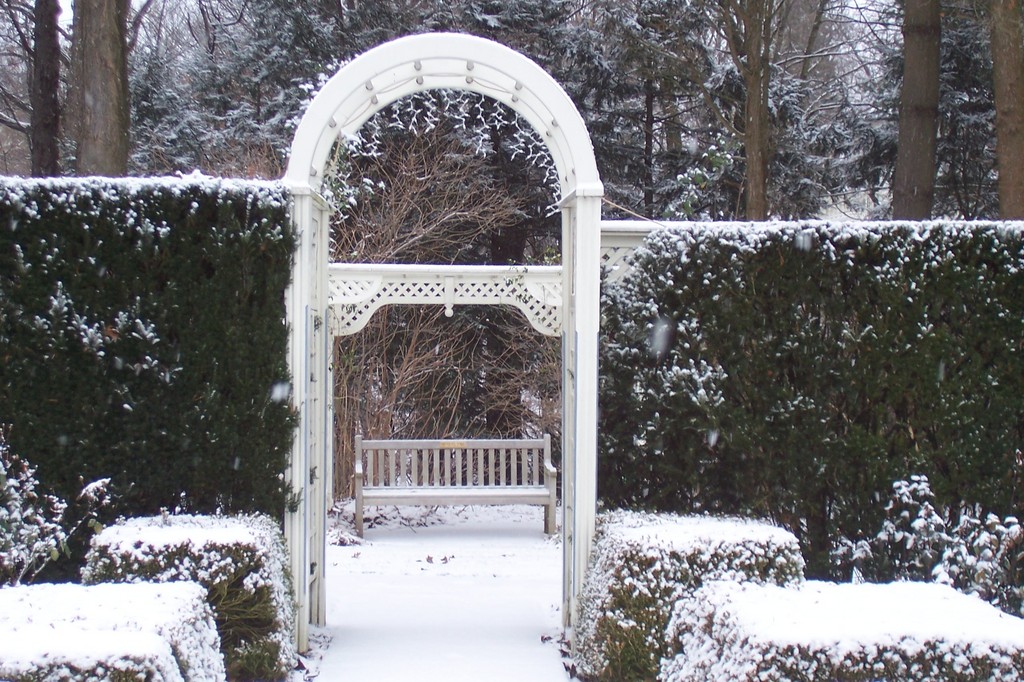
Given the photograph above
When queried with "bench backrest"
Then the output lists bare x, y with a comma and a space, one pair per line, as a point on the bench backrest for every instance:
452, 463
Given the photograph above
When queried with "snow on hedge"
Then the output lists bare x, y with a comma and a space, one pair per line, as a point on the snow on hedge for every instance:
643, 563
824, 631
145, 631
267, 192
240, 560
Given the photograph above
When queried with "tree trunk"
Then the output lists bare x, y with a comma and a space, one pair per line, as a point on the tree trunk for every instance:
45, 128
1008, 84
914, 177
812, 39
649, 98
757, 126
100, 89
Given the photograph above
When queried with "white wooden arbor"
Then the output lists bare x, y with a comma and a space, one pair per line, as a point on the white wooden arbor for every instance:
561, 300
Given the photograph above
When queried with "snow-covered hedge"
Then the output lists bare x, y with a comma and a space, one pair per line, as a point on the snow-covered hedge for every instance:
242, 563
643, 563
143, 338
792, 371
822, 632
163, 633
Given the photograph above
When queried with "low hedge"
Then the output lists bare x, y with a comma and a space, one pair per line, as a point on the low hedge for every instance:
643, 563
240, 561
108, 632
793, 371
821, 632
143, 338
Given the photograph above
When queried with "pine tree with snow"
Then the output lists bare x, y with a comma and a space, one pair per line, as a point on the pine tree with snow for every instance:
986, 558
31, 530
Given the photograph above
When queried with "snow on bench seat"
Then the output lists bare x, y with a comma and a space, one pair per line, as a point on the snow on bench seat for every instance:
824, 631
70, 631
447, 472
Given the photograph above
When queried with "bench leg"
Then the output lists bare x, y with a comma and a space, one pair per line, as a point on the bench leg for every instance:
549, 518
359, 510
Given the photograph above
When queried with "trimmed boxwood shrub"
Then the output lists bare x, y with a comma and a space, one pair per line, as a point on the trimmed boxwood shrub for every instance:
240, 561
107, 655
821, 632
143, 338
643, 563
108, 632
793, 371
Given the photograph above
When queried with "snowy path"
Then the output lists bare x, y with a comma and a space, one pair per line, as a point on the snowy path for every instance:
475, 597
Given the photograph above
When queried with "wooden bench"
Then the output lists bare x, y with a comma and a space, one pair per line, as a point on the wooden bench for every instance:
447, 472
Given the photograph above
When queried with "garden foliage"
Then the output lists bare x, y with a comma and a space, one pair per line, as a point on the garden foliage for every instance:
142, 338
793, 371
240, 561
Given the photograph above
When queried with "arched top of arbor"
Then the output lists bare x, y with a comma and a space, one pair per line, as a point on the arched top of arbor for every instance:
436, 61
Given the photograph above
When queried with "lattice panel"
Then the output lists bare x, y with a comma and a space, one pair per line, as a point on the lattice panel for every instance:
357, 291
619, 239
352, 290
614, 263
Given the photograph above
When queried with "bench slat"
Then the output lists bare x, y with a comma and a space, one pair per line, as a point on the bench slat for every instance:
503, 466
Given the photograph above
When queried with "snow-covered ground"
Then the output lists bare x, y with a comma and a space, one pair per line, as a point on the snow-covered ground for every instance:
449, 595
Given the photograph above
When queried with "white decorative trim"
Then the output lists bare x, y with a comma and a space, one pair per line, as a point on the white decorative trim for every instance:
619, 239
356, 291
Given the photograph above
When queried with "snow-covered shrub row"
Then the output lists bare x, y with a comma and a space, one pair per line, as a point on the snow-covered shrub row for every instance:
143, 337
240, 560
643, 563
792, 371
108, 632
822, 632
